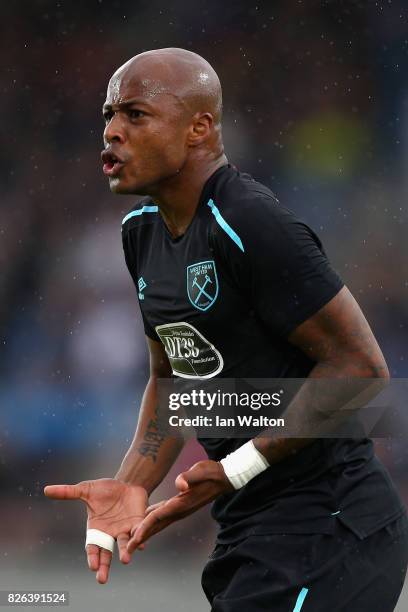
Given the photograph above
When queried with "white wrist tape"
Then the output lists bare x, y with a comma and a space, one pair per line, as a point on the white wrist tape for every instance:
100, 538
243, 464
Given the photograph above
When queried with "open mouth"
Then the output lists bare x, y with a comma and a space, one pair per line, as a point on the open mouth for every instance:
111, 163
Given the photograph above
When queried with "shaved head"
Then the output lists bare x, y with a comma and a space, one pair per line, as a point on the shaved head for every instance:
163, 121
186, 76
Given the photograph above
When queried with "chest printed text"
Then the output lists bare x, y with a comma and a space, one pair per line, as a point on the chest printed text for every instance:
189, 353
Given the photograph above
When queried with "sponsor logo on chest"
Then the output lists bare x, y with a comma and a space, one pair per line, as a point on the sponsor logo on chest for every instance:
190, 354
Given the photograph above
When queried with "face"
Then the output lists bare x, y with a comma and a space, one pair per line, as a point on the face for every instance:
145, 134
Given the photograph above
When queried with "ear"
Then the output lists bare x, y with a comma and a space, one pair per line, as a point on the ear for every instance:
200, 129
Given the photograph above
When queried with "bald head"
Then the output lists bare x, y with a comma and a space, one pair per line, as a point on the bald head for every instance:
162, 121
182, 74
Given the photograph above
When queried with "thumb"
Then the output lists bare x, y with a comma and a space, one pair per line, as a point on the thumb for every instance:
64, 491
192, 476
182, 483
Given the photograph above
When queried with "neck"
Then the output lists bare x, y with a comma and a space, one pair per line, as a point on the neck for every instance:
178, 198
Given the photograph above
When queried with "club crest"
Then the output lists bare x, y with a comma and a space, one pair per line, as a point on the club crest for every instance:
202, 284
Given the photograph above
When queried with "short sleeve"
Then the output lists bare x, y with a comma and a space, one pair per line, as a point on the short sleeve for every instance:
282, 266
149, 331
131, 266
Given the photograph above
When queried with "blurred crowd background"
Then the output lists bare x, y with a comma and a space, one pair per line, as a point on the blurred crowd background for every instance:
315, 106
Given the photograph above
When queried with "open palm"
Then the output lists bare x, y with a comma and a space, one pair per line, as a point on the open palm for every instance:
113, 507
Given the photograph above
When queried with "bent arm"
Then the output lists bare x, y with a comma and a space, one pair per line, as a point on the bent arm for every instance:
340, 341
152, 452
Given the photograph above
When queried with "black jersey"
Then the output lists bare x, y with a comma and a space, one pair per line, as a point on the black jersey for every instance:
223, 298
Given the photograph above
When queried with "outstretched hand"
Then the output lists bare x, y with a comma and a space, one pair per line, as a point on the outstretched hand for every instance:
113, 507
201, 484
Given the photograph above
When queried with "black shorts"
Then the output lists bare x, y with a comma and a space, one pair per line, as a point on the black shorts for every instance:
309, 573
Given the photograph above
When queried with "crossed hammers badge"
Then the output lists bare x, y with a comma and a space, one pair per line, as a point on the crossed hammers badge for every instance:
202, 284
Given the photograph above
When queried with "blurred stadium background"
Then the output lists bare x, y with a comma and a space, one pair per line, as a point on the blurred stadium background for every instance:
316, 106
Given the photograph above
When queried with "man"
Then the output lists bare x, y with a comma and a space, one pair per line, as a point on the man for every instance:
304, 524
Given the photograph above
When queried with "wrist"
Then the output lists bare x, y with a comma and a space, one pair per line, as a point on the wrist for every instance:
222, 479
133, 478
243, 465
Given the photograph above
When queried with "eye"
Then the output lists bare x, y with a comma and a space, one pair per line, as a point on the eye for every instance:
135, 113
107, 115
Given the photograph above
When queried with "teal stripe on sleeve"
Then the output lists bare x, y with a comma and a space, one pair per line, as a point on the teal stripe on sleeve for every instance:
225, 226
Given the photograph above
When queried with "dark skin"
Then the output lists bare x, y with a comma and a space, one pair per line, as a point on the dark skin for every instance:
162, 114
163, 132
340, 341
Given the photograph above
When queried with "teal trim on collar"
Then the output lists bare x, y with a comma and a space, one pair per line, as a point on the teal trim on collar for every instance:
300, 600
140, 211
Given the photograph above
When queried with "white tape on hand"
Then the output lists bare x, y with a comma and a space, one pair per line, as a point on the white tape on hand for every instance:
244, 464
100, 538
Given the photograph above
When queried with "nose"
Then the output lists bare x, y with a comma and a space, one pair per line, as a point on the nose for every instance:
114, 130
